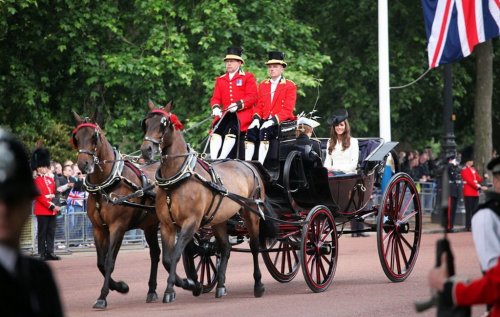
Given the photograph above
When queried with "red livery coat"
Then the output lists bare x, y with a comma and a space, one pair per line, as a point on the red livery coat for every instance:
485, 290
283, 103
472, 181
46, 186
242, 87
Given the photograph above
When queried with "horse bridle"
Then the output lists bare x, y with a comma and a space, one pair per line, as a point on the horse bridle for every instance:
97, 130
165, 122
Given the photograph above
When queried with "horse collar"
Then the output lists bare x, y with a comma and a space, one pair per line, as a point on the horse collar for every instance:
113, 178
183, 174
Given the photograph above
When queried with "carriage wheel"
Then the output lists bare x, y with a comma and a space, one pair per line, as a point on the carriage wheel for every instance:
283, 265
201, 260
319, 250
399, 227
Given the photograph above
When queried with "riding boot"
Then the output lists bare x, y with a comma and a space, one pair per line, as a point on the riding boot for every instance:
229, 141
215, 144
249, 150
263, 148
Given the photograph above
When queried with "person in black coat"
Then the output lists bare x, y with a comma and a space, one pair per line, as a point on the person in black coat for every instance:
310, 148
27, 286
454, 180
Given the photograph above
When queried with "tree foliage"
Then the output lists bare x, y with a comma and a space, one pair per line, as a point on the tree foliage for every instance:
59, 55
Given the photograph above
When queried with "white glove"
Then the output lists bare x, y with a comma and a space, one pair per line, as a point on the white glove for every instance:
216, 112
267, 124
233, 107
255, 124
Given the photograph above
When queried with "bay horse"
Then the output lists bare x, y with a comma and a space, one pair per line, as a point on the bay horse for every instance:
109, 179
188, 200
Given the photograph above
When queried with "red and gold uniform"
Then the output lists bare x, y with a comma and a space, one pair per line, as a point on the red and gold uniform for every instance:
485, 290
242, 87
472, 181
282, 104
43, 203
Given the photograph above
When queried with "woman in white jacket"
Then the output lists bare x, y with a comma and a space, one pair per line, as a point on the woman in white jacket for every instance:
342, 150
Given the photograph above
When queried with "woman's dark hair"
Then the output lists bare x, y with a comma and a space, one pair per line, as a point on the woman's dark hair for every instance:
345, 138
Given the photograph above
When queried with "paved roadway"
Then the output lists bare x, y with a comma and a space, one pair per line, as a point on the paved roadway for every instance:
360, 287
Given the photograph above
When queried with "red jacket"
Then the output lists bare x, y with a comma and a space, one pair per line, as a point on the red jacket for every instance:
283, 102
472, 181
485, 290
43, 204
242, 87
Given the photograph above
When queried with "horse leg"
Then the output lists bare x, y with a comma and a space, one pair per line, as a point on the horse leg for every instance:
220, 232
252, 223
171, 259
109, 266
151, 235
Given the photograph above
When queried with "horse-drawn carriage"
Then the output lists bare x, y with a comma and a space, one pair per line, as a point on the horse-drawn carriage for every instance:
199, 204
313, 209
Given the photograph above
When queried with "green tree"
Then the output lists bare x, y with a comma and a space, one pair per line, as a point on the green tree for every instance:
115, 55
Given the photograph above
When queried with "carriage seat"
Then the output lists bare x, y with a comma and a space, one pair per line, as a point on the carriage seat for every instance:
366, 147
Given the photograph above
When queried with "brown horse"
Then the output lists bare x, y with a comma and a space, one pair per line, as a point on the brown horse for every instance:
109, 178
187, 200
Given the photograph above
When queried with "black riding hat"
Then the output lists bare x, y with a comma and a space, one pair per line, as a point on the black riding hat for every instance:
40, 158
276, 57
234, 53
16, 179
494, 165
338, 116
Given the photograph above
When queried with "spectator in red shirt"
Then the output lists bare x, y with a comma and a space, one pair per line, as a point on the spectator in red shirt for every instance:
233, 100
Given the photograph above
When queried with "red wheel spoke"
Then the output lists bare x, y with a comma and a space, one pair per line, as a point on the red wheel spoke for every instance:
405, 207
411, 214
402, 251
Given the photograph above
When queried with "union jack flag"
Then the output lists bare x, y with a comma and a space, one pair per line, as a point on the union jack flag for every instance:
454, 27
76, 198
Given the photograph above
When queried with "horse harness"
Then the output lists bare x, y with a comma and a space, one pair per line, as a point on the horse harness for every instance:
217, 188
105, 188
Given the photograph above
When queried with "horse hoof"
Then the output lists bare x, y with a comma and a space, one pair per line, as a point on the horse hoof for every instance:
169, 297
152, 297
220, 291
259, 291
198, 289
100, 304
122, 287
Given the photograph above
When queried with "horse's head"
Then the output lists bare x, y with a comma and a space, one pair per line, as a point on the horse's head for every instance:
87, 139
158, 127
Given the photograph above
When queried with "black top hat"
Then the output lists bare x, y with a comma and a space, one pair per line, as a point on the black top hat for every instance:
40, 158
276, 57
16, 179
467, 154
234, 53
494, 165
338, 116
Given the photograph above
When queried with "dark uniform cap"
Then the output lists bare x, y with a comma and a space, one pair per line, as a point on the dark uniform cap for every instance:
467, 154
16, 179
338, 116
234, 53
494, 165
276, 57
40, 158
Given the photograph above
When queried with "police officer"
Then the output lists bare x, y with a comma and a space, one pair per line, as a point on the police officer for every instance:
233, 100
28, 287
454, 188
276, 103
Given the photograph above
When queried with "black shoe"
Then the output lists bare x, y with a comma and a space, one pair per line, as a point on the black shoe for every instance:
52, 257
362, 235
43, 258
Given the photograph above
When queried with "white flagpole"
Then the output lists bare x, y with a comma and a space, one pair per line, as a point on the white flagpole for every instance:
383, 74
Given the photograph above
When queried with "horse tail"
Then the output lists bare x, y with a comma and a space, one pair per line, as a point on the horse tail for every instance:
268, 227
